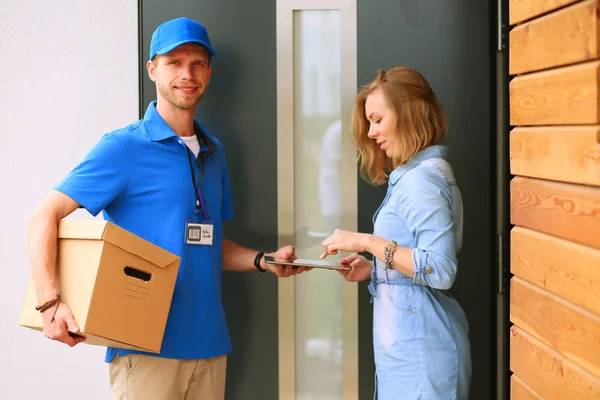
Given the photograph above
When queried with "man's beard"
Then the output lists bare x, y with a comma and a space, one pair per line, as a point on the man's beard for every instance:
180, 103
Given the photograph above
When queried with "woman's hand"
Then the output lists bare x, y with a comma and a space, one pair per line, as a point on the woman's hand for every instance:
361, 268
344, 241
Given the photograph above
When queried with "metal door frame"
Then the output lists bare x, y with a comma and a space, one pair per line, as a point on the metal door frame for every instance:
285, 187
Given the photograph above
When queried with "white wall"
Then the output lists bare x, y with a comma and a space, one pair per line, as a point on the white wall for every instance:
68, 73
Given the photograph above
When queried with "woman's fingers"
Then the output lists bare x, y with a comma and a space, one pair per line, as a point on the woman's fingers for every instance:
328, 250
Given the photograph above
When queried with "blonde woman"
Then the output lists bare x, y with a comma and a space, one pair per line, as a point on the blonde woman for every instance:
420, 333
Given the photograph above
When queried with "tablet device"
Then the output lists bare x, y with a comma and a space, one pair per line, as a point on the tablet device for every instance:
302, 262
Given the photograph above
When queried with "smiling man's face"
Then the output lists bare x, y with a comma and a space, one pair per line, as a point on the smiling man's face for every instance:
181, 75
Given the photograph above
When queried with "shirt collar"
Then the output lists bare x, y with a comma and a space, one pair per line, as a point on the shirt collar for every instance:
436, 151
159, 130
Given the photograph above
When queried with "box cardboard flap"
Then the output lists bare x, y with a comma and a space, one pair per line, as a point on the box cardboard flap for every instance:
74, 229
109, 232
136, 245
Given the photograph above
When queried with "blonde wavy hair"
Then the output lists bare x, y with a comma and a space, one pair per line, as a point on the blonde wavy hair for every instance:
421, 121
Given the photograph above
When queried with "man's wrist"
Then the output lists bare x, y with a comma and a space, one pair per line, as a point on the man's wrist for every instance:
258, 261
46, 293
263, 264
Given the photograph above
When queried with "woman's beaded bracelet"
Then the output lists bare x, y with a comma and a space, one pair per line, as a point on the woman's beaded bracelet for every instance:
389, 254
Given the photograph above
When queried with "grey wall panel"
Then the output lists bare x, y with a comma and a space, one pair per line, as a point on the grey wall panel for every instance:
449, 43
239, 108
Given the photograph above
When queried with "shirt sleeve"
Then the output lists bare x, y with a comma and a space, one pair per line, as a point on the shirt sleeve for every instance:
425, 204
100, 178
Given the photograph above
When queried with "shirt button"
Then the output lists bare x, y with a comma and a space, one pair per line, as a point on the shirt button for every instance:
180, 141
414, 310
428, 270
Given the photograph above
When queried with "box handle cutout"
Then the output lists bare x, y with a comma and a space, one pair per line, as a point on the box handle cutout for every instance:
136, 273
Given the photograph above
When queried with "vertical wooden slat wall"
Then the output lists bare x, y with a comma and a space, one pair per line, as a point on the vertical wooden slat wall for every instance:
555, 199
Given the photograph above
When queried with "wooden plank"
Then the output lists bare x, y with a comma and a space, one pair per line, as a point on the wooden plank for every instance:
562, 96
566, 269
519, 390
566, 153
564, 37
570, 330
560, 209
521, 10
547, 372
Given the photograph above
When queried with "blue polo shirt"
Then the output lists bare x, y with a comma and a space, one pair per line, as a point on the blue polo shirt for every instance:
140, 178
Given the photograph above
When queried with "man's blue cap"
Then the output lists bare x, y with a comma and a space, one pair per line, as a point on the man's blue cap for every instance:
176, 32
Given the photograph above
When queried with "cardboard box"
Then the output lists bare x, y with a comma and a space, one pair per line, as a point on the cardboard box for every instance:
118, 286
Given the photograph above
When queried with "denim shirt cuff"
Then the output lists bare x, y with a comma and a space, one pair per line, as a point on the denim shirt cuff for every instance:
421, 269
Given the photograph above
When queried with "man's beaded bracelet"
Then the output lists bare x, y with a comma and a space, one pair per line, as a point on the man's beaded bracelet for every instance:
47, 304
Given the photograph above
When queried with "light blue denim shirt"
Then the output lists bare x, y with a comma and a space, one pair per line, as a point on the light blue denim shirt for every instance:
420, 332
418, 213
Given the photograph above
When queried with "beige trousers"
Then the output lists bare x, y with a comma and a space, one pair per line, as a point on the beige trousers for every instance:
140, 377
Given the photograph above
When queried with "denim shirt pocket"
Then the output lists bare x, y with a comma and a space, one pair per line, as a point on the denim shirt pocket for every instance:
402, 309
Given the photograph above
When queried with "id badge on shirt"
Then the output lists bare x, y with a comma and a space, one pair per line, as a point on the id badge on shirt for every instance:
199, 232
